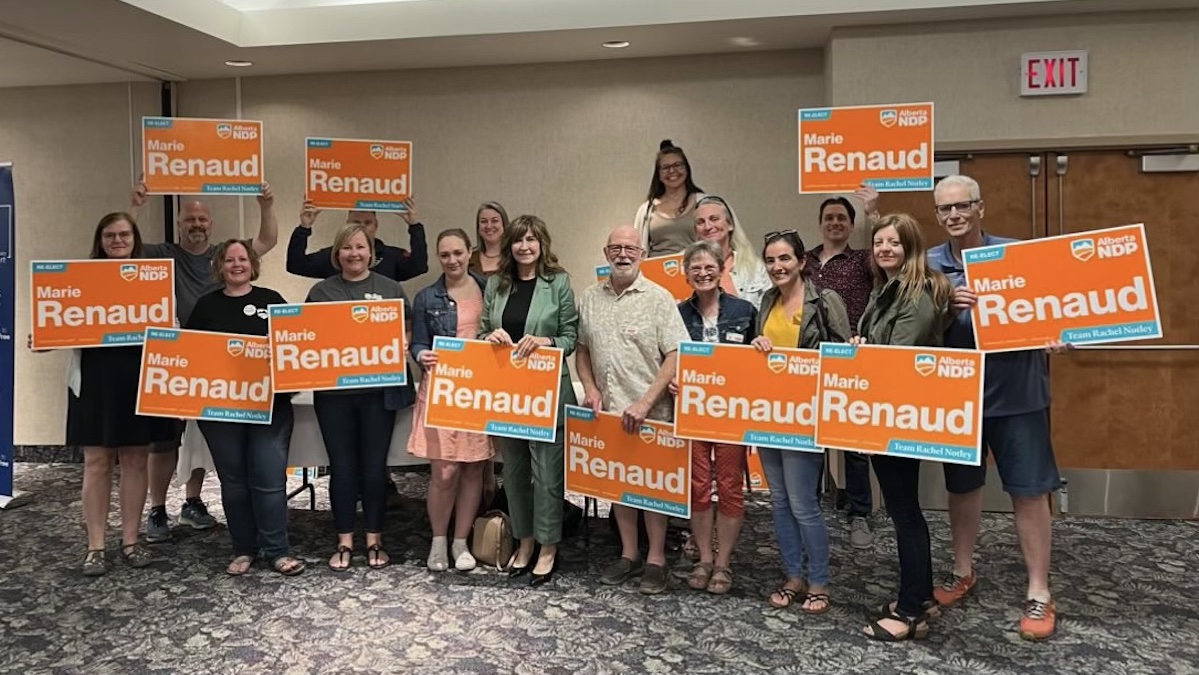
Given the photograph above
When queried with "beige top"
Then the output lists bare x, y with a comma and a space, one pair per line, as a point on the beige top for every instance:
628, 336
666, 233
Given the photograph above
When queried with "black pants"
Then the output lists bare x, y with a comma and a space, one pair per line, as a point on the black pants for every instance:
899, 481
356, 428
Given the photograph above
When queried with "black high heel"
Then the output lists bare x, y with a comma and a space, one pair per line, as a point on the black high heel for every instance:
514, 571
539, 579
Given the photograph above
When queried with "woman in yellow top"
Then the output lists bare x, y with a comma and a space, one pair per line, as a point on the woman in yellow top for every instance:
795, 313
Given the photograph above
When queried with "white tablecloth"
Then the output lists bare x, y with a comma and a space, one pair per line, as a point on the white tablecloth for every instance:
307, 446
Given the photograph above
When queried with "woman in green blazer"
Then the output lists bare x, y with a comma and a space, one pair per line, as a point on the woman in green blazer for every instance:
528, 303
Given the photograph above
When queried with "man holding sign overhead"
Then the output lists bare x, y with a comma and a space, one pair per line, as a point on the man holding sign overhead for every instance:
629, 335
193, 256
1015, 424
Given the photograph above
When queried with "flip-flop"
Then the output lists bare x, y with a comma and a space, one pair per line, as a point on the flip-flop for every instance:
247, 560
811, 598
377, 557
288, 566
345, 555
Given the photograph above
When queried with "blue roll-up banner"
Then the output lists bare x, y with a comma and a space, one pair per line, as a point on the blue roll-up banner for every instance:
8, 311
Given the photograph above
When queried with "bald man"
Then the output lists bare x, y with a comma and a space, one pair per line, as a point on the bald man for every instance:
193, 279
629, 334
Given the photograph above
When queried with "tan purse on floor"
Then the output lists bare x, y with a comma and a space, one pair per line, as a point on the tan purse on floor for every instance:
491, 539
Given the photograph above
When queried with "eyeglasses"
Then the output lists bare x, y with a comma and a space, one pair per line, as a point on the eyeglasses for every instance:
676, 167
703, 269
617, 249
778, 234
113, 236
962, 207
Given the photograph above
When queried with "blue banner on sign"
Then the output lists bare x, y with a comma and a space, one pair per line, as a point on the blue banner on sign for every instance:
8, 307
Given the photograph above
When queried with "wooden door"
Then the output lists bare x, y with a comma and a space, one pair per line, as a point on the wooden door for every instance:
1133, 405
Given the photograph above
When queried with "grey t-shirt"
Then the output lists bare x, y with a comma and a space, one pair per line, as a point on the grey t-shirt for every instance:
374, 287
193, 275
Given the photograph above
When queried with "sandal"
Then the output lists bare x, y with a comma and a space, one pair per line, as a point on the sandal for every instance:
240, 565
788, 594
917, 629
94, 563
932, 610
340, 561
700, 575
288, 566
377, 557
810, 599
136, 554
721, 582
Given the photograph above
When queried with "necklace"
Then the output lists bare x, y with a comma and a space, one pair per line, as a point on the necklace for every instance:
484, 254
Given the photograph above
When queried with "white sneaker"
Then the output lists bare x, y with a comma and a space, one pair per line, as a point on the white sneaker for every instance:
463, 560
438, 561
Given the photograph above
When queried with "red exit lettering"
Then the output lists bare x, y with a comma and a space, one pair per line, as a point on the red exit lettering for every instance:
1053, 72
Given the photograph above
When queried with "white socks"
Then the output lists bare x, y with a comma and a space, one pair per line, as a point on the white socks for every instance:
463, 560
438, 561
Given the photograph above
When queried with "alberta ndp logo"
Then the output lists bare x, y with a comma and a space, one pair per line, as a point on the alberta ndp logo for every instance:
888, 117
360, 313
517, 360
1083, 249
647, 434
671, 268
224, 130
776, 362
376, 151
129, 272
926, 364
235, 347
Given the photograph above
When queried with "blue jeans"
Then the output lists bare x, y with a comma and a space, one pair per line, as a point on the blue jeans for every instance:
251, 462
798, 522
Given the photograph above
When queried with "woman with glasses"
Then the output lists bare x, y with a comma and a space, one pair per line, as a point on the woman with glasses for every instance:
743, 275
713, 315
529, 304
666, 220
906, 307
795, 313
490, 222
101, 400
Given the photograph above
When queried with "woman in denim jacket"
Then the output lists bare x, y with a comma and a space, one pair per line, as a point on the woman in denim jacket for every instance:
712, 315
450, 307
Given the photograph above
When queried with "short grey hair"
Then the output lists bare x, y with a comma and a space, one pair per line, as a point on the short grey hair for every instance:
959, 181
700, 247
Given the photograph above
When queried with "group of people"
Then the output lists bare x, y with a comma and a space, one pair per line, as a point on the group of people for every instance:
508, 287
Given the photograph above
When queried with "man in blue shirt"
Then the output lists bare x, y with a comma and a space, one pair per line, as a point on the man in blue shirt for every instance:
1015, 425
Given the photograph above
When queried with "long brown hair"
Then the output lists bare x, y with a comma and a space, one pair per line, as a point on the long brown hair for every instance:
485, 206
98, 238
547, 264
915, 277
657, 188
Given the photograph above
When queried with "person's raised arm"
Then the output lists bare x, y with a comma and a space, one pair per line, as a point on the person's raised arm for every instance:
268, 224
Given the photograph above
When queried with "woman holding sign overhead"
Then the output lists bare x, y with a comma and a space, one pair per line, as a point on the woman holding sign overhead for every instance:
250, 459
101, 401
529, 304
450, 307
796, 313
906, 307
356, 424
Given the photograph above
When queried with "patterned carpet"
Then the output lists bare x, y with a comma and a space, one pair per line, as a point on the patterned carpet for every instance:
1127, 599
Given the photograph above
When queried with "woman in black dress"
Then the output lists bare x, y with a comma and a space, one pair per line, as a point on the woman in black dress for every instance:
101, 419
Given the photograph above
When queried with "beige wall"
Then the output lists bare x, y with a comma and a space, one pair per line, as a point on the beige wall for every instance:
1143, 76
71, 149
571, 143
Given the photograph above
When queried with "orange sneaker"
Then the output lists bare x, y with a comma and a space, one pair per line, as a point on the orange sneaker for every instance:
1038, 621
953, 589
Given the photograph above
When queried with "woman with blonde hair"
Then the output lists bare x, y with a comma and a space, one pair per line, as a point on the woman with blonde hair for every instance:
744, 275
529, 304
907, 307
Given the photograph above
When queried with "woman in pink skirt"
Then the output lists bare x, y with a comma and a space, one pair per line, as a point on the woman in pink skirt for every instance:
450, 307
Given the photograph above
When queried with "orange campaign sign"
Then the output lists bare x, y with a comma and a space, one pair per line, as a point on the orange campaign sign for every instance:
666, 271
737, 394
917, 402
195, 156
352, 174
100, 303
193, 374
889, 147
485, 388
318, 346
650, 470
757, 475
1089, 287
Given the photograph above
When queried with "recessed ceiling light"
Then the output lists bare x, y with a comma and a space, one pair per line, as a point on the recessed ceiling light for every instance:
745, 41
615, 44
239, 64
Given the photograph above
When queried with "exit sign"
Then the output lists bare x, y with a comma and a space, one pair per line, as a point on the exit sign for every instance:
1053, 73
